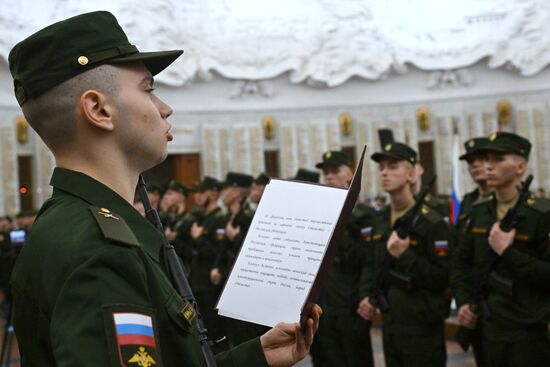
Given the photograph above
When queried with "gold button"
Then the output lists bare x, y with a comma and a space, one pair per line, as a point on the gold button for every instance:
387, 148
83, 60
493, 136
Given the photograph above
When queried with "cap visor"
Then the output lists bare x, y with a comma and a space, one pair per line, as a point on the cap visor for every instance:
154, 61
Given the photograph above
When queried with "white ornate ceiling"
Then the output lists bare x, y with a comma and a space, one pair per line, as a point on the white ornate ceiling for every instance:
319, 42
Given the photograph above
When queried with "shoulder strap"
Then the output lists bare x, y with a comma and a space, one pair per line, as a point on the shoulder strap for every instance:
114, 227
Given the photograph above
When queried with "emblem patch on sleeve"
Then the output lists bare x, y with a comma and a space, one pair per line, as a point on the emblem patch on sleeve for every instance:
441, 248
133, 336
220, 233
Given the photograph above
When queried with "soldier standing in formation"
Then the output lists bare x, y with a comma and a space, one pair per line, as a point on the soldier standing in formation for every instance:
242, 208
344, 337
413, 326
515, 322
476, 158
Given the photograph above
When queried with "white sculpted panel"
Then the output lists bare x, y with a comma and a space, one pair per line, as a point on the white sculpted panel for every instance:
319, 42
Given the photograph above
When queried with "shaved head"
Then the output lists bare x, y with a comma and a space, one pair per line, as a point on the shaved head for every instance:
54, 114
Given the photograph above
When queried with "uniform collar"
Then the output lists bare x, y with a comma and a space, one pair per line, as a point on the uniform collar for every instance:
97, 194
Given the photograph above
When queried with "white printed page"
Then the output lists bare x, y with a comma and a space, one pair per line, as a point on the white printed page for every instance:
282, 252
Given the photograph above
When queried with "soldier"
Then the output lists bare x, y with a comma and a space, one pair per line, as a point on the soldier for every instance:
154, 193
515, 330
476, 158
207, 240
306, 175
344, 337
172, 206
257, 190
238, 223
90, 286
415, 286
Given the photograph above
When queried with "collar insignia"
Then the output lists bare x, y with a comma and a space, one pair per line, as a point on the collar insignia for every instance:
107, 213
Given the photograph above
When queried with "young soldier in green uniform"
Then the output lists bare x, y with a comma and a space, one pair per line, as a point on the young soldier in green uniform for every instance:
90, 286
344, 337
207, 241
413, 326
515, 332
172, 206
476, 157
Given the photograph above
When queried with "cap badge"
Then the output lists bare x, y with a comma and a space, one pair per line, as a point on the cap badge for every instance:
471, 143
493, 136
83, 60
387, 148
328, 155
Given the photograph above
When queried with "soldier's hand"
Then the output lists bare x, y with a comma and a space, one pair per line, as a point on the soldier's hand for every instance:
466, 317
232, 232
396, 246
366, 310
285, 344
196, 230
215, 276
500, 240
170, 234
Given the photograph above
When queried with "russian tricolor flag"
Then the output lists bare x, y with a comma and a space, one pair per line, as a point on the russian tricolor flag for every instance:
134, 328
456, 189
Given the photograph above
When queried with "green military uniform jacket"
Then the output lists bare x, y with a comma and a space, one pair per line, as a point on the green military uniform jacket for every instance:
90, 287
466, 206
227, 257
341, 292
206, 249
422, 309
524, 263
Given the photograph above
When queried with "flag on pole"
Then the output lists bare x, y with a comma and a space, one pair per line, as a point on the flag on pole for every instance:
456, 189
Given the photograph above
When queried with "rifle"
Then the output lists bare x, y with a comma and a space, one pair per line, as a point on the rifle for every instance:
402, 227
487, 276
177, 274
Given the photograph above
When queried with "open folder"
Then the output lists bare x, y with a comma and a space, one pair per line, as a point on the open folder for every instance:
288, 251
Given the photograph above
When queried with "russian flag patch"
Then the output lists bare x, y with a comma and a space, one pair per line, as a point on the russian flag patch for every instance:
220, 233
441, 248
366, 233
134, 328
134, 337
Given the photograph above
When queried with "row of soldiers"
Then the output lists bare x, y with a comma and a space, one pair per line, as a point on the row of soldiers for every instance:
417, 276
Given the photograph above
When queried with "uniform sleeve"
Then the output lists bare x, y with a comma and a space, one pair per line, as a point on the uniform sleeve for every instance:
462, 267
432, 270
249, 353
78, 332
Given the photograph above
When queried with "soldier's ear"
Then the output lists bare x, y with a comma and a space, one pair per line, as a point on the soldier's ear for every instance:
96, 110
522, 166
